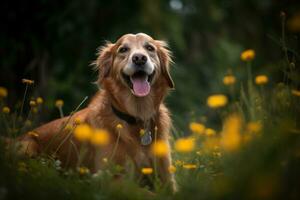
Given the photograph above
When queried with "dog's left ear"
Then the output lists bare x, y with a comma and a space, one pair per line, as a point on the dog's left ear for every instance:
104, 61
164, 55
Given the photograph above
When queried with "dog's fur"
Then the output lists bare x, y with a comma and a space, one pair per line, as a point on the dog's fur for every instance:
99, 113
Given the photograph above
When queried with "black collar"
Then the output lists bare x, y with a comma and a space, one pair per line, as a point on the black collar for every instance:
127, 118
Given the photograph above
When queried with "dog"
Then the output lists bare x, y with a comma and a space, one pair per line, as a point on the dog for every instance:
134, 79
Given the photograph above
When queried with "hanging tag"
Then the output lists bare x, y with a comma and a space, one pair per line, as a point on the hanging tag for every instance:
146, 138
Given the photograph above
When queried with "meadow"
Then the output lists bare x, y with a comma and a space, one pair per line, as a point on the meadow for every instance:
235, 107
255, 154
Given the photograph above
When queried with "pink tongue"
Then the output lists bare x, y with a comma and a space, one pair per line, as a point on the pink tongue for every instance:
141, 87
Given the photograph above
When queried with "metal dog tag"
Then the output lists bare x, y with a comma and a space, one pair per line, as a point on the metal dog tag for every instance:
146, 138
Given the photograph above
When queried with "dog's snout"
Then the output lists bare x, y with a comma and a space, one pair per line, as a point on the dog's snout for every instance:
139, 59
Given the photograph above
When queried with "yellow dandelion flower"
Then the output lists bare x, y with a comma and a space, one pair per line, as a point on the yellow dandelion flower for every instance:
83, 170
189, 166
100, 137
68, 127
197, 128
27, 81
261, 79
296, 92
216, 101
185, 145
229, 80
231, 136
59, 103
6, 110
172, 169
248, 55
32, 103
210, 132
33, 134
119, 126
147, 170
160, 148
39, 100
254, 127
83, 132
3, 92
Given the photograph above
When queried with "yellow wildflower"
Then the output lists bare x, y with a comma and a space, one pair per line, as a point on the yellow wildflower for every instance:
33, 134
160, 148
296, 92
254, 127
105, 160
197, 128
83, 170
5, 110
119, 126
68, 127
229, 80
27, 81
3, 92
185, 145
210, 132
172, 169
83, 132
248, 55
59, 103
147, 170
261, 79
217, 100
189, 166
100, 137
231, 137
32, 103
39, 100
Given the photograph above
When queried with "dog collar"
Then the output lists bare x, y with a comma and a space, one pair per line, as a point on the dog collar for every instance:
145, 134
127, 118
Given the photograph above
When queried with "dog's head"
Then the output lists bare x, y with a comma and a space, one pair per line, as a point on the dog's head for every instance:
137, 62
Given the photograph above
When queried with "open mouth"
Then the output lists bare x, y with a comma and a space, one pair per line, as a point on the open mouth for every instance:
139, 83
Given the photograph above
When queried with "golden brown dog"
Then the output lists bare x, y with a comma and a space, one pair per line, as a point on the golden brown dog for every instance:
134, 76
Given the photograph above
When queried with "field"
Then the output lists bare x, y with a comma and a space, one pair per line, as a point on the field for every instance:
255, 155
235, 108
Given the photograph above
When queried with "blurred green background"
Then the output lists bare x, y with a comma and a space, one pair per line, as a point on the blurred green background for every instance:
53, 43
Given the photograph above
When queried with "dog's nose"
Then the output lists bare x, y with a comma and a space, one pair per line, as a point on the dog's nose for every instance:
139, 59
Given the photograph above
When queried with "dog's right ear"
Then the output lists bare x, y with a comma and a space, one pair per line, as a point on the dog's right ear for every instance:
104, 60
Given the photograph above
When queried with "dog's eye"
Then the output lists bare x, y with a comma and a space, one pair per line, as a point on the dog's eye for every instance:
123, 49
150, 48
